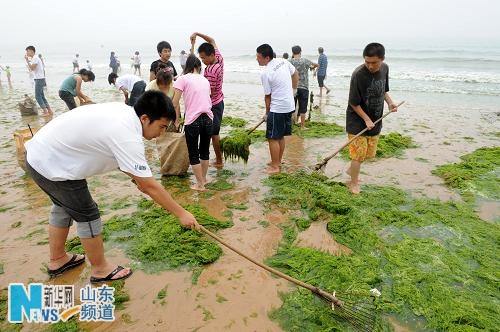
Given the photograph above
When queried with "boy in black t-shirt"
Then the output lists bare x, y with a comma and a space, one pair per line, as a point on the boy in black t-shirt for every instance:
368, 90
164, 51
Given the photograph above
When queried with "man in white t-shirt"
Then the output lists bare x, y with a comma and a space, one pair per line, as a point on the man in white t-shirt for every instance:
279, 80
64, 153
35, 65
130, 85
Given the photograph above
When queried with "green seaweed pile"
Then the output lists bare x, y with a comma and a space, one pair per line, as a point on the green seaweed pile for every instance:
236, 145
477, 174
434, 261
156, 240
221, 183
390, 145
316, 129
233, 122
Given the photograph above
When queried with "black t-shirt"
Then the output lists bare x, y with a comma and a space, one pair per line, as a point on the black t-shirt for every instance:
155, 64
368, 91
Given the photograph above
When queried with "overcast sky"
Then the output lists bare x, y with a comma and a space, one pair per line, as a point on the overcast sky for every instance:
244, 24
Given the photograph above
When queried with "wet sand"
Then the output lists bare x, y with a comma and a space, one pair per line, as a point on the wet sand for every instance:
231, 294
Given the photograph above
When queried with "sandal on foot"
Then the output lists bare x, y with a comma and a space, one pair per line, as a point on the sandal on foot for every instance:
73, 262
110, 276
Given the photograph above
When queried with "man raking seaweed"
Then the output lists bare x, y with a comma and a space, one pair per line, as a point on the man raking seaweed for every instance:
64, 153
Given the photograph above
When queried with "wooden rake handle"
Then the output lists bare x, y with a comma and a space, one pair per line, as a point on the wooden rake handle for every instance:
280, 274
327, 159
256, 126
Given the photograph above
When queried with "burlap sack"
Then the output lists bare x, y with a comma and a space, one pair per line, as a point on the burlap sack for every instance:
174, 158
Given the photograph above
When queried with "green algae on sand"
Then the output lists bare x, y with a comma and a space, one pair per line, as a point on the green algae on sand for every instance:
432, 260
316, 129
156, 240
477, 174
233, 122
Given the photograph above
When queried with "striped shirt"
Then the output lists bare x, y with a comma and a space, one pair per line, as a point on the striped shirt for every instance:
215, 75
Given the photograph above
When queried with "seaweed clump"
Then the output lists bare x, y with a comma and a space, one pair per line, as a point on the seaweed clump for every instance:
432, 260
316, 129
156, 240
477, 173
234, 122
236, 145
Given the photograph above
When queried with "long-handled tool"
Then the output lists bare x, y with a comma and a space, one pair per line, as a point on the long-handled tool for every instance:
359, 314
323, 163
237, 143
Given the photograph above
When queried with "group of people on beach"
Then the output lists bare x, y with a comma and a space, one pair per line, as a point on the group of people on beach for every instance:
103, 137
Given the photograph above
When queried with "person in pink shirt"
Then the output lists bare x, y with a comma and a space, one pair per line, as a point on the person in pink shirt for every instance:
195, 90
214, 72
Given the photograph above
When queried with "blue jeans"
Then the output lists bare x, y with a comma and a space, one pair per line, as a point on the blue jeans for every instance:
39, 95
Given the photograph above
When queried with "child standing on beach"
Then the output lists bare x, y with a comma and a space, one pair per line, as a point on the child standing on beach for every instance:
36, 66
164, 51
279, 79
214, 73
195, 90
368, 90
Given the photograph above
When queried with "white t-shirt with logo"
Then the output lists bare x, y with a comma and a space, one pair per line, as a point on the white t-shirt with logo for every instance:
89, 140
38, 71
277, 82
127, 81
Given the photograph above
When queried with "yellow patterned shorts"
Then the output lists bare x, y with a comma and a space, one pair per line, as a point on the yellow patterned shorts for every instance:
363, 147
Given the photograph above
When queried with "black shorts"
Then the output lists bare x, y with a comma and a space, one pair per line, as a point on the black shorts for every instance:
137, 66
302, 98
72, 195
137, 91
279, 125
218, 111
68, 98
321, 80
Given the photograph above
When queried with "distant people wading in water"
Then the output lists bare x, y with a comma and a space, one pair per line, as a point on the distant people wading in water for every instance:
113, 63
137, 63
76, 64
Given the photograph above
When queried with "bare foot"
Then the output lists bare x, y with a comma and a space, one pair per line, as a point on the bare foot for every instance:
54, 265
198, 187
104, 272
354, 188
272, 170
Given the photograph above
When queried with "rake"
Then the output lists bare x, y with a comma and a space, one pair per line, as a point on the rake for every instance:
358, 312
319, 166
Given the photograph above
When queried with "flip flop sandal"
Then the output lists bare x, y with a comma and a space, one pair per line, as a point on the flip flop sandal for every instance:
110, 276
72, 263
